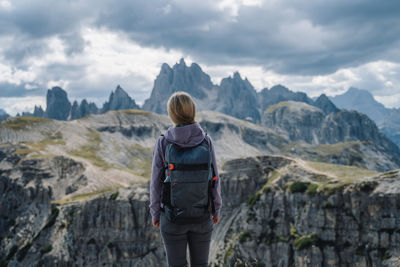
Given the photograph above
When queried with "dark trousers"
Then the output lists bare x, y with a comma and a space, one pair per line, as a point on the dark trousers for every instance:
177, 237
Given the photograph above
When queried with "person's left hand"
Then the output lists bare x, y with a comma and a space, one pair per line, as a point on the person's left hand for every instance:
156, 224
215, 219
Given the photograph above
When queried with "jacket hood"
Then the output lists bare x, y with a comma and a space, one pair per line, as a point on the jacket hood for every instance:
185, 136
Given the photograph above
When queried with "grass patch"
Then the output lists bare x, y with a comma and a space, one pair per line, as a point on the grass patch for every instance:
305, 241
298, 187
254, 198
342, 172
244, 236
20, 123
334, 149
345, 175
334, 188
273, 176
293, 231
312, 189
282, 239
265, 189
114, 195
228, 254
90, 150
141, 160
84, 196
132, 111
39, 147
296, 105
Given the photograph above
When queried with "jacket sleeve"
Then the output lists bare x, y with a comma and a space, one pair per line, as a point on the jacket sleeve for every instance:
216, 190
155, 181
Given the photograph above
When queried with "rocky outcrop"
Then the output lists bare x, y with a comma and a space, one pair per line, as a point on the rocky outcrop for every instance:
57, 104
363, 154
59, 107
118, 100
38, 111
234, 96
325, 104
303, 218
80, 111
324, 136
279, 93
102, 227
237, 97
277, 211
180, 77
296, 120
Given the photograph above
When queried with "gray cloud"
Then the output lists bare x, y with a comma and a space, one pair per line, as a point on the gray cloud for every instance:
312, 37
13, 90
307, 37
301, 37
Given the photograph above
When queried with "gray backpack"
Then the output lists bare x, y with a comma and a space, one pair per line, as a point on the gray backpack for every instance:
189, 176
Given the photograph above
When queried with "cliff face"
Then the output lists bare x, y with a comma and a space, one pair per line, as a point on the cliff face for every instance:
300, 217
105, 226
238, 98
57, 104
277, 212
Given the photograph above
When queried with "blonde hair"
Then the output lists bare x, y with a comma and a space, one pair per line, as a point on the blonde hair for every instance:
181, 108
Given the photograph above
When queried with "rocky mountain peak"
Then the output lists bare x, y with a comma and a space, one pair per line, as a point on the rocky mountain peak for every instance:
279, 89
178, 78
58, 105
182, 62
236, 76
362, 101
119, 99
165, 68
325, 104
238, 98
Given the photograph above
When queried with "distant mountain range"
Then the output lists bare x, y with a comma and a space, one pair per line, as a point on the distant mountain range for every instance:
387, 119
59, 107
234, 96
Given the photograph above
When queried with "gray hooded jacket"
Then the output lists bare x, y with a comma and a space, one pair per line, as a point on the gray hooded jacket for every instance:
184, 136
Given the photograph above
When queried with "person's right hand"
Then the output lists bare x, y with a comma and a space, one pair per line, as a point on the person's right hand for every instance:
156, 224
215, 219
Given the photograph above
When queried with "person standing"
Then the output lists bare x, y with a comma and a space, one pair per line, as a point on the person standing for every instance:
177, 235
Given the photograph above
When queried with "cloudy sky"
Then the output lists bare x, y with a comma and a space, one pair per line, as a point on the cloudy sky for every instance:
89, 47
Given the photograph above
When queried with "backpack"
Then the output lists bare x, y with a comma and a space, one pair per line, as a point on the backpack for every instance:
189, 177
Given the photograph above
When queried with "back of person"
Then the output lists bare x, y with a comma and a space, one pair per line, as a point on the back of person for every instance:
191, 146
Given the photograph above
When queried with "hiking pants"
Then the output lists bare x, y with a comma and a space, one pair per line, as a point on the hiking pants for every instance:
176, 238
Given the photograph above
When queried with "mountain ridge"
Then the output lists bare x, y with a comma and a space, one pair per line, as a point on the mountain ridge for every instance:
387, 119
